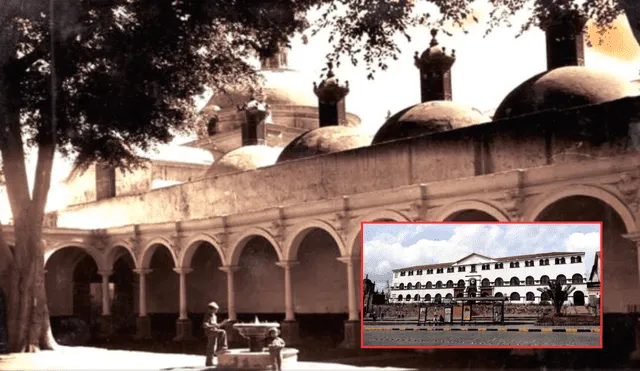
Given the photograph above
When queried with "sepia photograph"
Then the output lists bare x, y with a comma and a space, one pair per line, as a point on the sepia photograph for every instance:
506, 285
183, 183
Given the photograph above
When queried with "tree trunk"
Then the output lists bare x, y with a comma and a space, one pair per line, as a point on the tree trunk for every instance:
28, 315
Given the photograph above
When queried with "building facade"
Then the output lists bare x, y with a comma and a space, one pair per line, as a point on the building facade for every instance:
516, 278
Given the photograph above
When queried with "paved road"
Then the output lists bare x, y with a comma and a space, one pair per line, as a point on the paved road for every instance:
464, 338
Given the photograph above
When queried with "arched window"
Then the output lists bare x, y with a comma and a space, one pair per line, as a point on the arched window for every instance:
429, 285
409, 287
529, 281
544, 280
541, 261
418, 286
449, 284
449, 296
498, 295
573, 259
461, 283
402, 286
514, 296
578, 259
576, 278
485, 282
438, 298
514, 281
531, 296
399, 297
439, 285
562, 279
544, 296
557, 261
562, 261
408, 297
416, 298
427, 298
498, 282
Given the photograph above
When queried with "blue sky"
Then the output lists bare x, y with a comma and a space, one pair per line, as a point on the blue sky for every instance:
393, 246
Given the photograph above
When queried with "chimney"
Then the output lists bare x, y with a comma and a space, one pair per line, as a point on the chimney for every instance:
331, 99
257, 115
435, 71
564, 37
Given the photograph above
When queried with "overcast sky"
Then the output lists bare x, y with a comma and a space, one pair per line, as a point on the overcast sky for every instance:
393, 246
485, 71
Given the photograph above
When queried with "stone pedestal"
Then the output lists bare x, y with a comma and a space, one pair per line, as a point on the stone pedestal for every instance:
106, 326
351, 335
290, 332
183, 330
143, 328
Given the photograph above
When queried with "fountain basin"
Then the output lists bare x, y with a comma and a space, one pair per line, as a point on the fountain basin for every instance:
256, 333
244, 359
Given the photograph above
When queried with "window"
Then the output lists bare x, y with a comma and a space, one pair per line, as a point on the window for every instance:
461, 283
529, 281
439, 285
450, 270
573, 259
402, 286
514, 265
499, 266
562, 279
473, 268
485, 267
544, 280
485, 282
449, 284
440, 270
531, 296
429, 284
544, 262
427, 297
514, 296
418, 286
402, 274
409, 286
449, 296
400, 298
429, 271
514, 281
419, 273
438, 298
544, 296
528, 263
562, 261
416, 298
461, 269
408, 297
498, 282
410, 273
576, 278
498, 295
578, 259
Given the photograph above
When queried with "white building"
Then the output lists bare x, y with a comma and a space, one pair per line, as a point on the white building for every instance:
514, 277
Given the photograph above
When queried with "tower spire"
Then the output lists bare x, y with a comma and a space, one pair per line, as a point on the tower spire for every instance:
331, 99
435, 71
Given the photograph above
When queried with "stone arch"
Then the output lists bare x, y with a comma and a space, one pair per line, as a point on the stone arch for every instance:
379, 215
184, 260
607, 197
301, 230
150, 248
458, 206
241, 241
111, 257
95, 254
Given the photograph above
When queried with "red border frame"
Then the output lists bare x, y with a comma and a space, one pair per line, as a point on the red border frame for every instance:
362, 346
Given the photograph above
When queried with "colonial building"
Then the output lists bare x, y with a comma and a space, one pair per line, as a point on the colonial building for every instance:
272, 227
514, 277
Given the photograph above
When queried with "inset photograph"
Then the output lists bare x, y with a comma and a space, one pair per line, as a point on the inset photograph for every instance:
477, 285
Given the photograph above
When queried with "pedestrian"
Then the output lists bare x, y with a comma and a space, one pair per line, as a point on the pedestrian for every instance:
216, 336
275, 345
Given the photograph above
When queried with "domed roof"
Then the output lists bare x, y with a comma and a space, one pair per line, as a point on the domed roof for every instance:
564, 88
426, 118
243, 159
324, 140
282, 88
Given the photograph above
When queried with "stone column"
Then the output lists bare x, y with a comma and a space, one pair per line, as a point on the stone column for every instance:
106, 323
635, 238
290, 328
231, 294
183, 324
352, 325
143, 322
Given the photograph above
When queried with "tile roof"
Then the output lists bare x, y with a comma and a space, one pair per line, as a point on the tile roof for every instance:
506, 258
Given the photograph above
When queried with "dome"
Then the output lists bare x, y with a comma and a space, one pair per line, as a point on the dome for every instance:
564, 88
243, 159
325, 140
281, 87
426, 118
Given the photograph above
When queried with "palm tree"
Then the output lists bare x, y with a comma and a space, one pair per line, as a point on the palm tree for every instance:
557, 293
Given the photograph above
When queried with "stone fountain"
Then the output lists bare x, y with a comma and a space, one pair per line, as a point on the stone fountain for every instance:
256, 357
